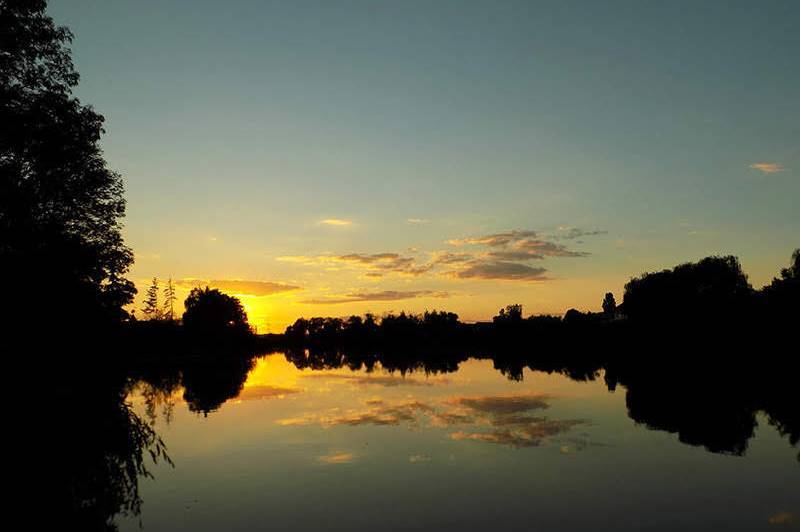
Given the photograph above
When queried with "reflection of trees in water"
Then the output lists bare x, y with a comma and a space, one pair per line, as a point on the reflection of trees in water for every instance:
209, 382
100, 450
709, 404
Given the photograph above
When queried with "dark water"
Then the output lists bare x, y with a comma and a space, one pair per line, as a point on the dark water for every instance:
342, 449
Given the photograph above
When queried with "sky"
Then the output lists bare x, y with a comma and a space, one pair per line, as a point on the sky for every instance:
343, 157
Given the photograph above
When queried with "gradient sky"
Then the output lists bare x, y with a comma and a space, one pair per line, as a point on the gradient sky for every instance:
338, 157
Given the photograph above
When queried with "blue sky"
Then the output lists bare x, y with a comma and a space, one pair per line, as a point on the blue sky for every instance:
240, 126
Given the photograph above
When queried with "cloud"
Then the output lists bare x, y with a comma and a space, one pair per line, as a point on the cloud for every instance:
497, 239
497, 256
768, 168
239, 286
447, 257
376, 414
504, 404
508, 252
337, 458
335, 222
380, 380
501, 419
501, 270
509, 418
264, 392
521, 255
385, 295
418, 458
416, 221
376, 262
532, 434
564, 232
542, 247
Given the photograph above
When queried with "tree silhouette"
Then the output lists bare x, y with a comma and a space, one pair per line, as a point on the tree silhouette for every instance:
609, 305
150, 309
710, 290
209, 312
781, 298
59, 202
512, 313
168, 311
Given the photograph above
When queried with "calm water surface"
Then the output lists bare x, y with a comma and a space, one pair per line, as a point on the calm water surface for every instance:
354, 450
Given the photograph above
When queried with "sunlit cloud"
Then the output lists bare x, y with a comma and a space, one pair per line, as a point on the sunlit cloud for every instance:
500, 256
376, 414
336, 222
508, 252
768, 168
532, 434
416, 221
508, 417
501, 419
376, 262
497, 239
385, 295
250, 393
447, 257
238, 286
504, 404
377, 380
337, 458
507, 271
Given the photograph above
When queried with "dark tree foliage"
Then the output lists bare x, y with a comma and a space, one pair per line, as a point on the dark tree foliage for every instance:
60, 205
781, 298
609, 305
209, 312
430, 328
712, 289
509, 314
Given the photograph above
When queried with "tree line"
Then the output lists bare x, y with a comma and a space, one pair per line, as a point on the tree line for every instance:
703, 296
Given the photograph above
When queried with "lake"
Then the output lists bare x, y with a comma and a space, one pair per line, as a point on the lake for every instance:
282, 444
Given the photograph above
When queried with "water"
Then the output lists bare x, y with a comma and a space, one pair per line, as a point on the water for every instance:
342, 449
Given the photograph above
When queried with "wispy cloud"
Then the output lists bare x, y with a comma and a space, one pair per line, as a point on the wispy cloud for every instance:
336, 222
385, 295
768, 168
239, 286
377, 262
416, 221
565, 232
337, 458
497, 239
